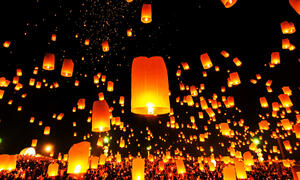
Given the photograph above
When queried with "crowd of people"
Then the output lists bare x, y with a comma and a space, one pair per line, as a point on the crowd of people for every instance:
36, 168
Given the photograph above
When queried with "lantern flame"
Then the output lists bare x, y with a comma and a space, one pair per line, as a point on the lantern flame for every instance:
150, 108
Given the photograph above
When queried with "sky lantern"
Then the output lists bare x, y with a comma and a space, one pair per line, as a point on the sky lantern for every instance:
49, 62
8, 162
225, 130
34, 142
240, 170
78, 161
138, 168
149, 86
1, 93
248, 158
161, 165
225, 54
287, 27
87, 42
234, 78
53, 37
67, 68
228, 3
285, 100
180, 166
286, 43
287, 145
205, 60
53, 170
263, 102
275, 58
297, 130
286, 124
237, 62
287, 90
264, 125
6, 44
100, 117
105, 46
81, 104
229, 173
47, 130
296, 5
94, 162
129, 32
110, 86
102, 159
146, 16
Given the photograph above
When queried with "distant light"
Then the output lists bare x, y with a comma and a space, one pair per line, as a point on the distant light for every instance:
256, 141
149, 148
48, 148
0, 140
106, 140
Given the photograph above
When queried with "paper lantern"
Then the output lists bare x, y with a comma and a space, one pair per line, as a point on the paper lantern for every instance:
296, 5
49, 62
275, 58
287, 27
264, 125
6, 44
110, 86
105, 46
67, 68
225, 54
237, 62
53, 170
129, 32
240, 170
146, 16
1, 93
102, 159
34, 142
53, 37
285, 100
263, 102
94, 162
180, 166
8, 162
234, 78
297, 130
205, 60
287, 145
118, 158
137, 170
81, 104
78, 158
149, 86
225, 130
228, 3
100, 117
248, 158
47, 130
229, 173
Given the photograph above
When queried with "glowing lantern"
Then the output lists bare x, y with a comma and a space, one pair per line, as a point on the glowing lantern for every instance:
47, 130
234, 78
34, 142
94, 162
8, 162
110, 86
49, 62
229, 173
102, 159
287, 145
237, 62
285, 100
67, 68
78, 161
225, 130
275, 58
286, 43
53, 170
205, 60
248, 158
180, 166
240, 170
264, 125
263, 102
210, 112
149, 86
105, 46
1, 93
297, 130
81, 104
129, 32
6, 44
185, 66
146, 16
53, 37
228, 3
87, 42
100, 117
286, 124
296, 5
138, 167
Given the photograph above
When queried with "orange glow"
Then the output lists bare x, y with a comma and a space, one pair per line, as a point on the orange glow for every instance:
228, 3
67, 68
296, 5
49, 62
6, 44
149, 86
78, 161
146, 16
100, 117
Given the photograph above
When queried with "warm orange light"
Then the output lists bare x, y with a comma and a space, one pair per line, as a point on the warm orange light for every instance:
228, 3
146, 16
67, 68
100, 117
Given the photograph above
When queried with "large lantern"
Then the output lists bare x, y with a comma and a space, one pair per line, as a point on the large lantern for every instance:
228, 3
49, 62
240, 170
149, 86
229, 173
67, 68
8, 162
146, 16
52, 170
94, 162
78, 161
100, 117
180, 166
138, 167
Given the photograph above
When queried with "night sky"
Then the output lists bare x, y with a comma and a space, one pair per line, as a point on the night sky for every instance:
180, 31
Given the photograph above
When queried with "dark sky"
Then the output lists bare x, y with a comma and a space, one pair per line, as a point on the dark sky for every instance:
180, 31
